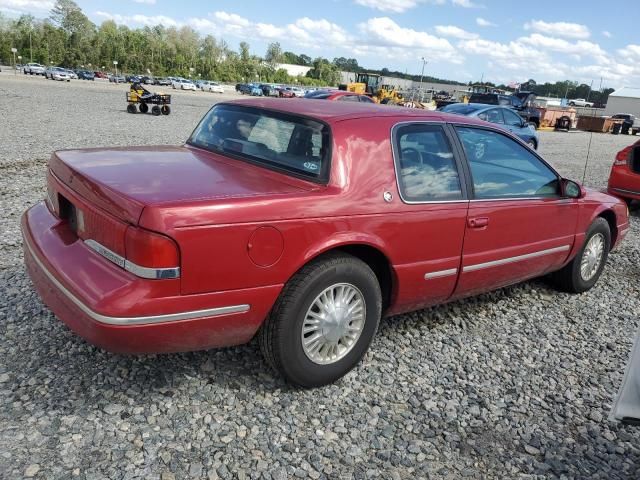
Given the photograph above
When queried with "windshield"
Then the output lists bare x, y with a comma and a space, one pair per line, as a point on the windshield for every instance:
285, 142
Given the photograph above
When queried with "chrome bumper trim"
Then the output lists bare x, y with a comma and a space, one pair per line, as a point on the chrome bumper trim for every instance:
150, 319
142, 272
519, 258
440, 273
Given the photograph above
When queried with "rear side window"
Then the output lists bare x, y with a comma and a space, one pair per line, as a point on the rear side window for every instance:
425, 165
285, 142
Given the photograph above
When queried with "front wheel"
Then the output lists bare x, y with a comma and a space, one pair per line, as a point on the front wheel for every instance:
582, 273
323, 322
165, 109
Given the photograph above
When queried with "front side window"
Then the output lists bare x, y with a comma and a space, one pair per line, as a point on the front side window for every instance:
425, 164
285, 142
512, 118
503, 168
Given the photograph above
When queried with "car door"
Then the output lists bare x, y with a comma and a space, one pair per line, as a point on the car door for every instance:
626, 406
518, 225
514, 123
429, 235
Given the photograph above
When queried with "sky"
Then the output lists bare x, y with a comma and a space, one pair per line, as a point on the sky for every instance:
466, 40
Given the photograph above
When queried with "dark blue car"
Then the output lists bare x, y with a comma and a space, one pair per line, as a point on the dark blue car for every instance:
503, 116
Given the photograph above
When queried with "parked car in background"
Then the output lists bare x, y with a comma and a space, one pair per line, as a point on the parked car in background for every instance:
297, 91
33, 69
72, 75
303, 223
117, 79
99, 74
521, 102
183, 84
580, 102
244, 88
505, 117
148, 80
57, 73
86, 75
256, 91
284, 93
208, 86
269, 90
624, 178
163, 81
338, 95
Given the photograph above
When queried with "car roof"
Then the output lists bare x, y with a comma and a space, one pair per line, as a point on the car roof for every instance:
331, 112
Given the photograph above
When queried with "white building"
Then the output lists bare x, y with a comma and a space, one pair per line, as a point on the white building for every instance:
624, 100
294, 70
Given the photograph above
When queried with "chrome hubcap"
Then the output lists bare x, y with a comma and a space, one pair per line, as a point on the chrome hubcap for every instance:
592, 257
333, 323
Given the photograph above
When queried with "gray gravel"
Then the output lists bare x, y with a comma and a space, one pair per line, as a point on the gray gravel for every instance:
512, 384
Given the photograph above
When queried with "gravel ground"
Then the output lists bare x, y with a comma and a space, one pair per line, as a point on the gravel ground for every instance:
512, 384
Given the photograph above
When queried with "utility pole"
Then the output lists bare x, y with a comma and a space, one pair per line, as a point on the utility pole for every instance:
30, 45
14, 50
413, 93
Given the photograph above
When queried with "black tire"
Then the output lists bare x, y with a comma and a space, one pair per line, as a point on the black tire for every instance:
280, 335
165, 109
144, 108
131, 108
569, 278
155, 110
532, 144
571, 104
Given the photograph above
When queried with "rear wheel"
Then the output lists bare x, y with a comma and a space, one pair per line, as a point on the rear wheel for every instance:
323, 322
144, 108
583, 271
165, 109
131, 108
155, 110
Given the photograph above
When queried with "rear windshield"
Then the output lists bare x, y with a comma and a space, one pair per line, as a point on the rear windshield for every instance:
285, 142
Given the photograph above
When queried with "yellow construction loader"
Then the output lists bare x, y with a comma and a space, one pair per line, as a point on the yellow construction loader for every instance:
369, 84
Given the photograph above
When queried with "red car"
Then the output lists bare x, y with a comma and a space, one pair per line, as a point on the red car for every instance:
339, 95
624, 179
284, 93
303, 223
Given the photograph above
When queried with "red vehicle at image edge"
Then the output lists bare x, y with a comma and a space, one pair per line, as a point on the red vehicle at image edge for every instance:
303, 223
624, 179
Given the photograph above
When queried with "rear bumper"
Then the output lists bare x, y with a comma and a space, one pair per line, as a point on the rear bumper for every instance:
119, 312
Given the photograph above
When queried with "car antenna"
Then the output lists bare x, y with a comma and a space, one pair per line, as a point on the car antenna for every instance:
593, 113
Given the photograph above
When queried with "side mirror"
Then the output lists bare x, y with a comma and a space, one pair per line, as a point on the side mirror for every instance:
571, 189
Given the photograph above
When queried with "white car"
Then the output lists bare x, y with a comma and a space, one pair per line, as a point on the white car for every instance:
72, 74
298, 92
57, 73
183, 84
212, 87
33, 69
580, 102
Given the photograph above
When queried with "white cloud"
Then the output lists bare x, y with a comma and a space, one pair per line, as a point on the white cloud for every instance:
455, 32
396, 6
485, 23
146, 2
559, 29
138, 19
384, 32
607, 34
560, 45
25, 6
466, 4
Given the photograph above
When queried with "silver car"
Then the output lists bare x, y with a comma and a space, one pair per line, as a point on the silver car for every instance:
57, 73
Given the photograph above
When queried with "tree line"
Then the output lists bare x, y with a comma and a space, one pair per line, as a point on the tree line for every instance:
68, 38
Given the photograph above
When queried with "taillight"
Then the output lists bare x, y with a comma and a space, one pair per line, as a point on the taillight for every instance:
150, 250
622, 158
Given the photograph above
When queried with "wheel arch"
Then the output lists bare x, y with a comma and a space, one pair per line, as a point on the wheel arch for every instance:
370, 253
610, 216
